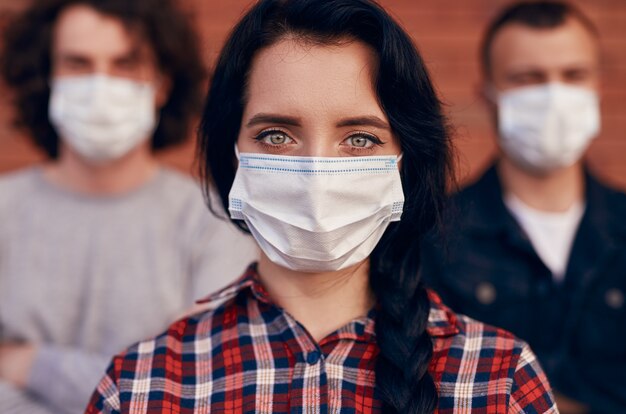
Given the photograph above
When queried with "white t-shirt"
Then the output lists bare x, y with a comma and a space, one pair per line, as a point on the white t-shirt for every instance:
550, 233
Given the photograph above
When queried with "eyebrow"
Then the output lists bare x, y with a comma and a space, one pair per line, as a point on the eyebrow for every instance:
572, 65
68, 55
273, 119
133, 53
370, 120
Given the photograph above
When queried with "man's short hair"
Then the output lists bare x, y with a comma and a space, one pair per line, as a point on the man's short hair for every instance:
27, 63
533, 14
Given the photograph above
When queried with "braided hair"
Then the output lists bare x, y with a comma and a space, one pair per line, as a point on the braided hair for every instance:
407, 97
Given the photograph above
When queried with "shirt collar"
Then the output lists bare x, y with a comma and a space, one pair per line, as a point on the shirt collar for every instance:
606, 209
483, 206
245, 281
442, 321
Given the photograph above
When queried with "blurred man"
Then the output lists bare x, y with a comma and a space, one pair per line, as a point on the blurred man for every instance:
538, 245
102, 233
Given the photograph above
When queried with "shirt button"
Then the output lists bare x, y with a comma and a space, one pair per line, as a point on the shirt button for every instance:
313, 357
485, 293
614, 298
543, 288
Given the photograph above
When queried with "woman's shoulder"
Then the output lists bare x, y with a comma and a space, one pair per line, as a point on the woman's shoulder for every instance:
198, 332
454, 330
162, 365
483, 366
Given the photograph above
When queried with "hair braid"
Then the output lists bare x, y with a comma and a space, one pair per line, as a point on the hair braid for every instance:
406, 348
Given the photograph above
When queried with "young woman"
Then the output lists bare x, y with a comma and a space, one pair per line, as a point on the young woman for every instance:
325, 140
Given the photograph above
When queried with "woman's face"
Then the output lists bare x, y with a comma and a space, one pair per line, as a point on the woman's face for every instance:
315, 100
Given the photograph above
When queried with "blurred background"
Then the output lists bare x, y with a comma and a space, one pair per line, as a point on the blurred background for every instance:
447, 33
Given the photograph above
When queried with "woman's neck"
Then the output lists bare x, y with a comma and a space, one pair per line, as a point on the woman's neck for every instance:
321, 302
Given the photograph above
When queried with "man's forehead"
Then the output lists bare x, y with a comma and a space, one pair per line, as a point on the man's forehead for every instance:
82, 29
517, 46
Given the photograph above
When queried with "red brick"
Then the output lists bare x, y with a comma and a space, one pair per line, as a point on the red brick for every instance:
448, 33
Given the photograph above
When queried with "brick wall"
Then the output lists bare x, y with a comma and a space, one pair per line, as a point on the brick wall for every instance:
447, 33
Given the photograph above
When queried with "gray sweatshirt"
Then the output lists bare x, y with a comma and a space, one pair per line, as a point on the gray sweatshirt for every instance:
86, 276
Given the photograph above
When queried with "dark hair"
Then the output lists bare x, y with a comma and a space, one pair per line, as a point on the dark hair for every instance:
26, 64
534, 14
407, 97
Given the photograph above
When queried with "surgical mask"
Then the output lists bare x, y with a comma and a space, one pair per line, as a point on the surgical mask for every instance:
102, 117
549, 126
316, 214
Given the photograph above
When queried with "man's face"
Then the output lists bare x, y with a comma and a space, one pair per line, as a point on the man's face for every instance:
542, 133
88, 42
525, 56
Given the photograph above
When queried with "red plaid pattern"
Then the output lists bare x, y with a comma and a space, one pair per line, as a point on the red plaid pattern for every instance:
247, 355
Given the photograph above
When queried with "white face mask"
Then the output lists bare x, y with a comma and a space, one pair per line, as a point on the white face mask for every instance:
102, 117
549, 126
316, 214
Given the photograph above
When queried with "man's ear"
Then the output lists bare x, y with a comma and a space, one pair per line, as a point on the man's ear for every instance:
164, 88
487, 93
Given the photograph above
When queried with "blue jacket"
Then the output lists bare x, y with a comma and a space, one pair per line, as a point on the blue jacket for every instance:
483, 265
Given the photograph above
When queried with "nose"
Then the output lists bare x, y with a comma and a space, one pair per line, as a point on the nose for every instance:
321, 144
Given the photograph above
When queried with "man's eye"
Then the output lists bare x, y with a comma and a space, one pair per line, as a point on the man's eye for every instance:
577, 75
126, 64
527, 78
75, 64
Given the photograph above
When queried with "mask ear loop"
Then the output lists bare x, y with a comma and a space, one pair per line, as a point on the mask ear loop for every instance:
398, 159
236, 151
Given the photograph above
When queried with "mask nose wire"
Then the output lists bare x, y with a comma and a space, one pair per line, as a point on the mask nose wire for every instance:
398, 158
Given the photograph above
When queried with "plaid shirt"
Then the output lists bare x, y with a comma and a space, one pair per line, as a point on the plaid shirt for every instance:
247, 355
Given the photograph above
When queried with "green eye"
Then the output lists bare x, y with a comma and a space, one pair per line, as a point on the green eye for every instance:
362, 140
277, 138
359, 141
273, 137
